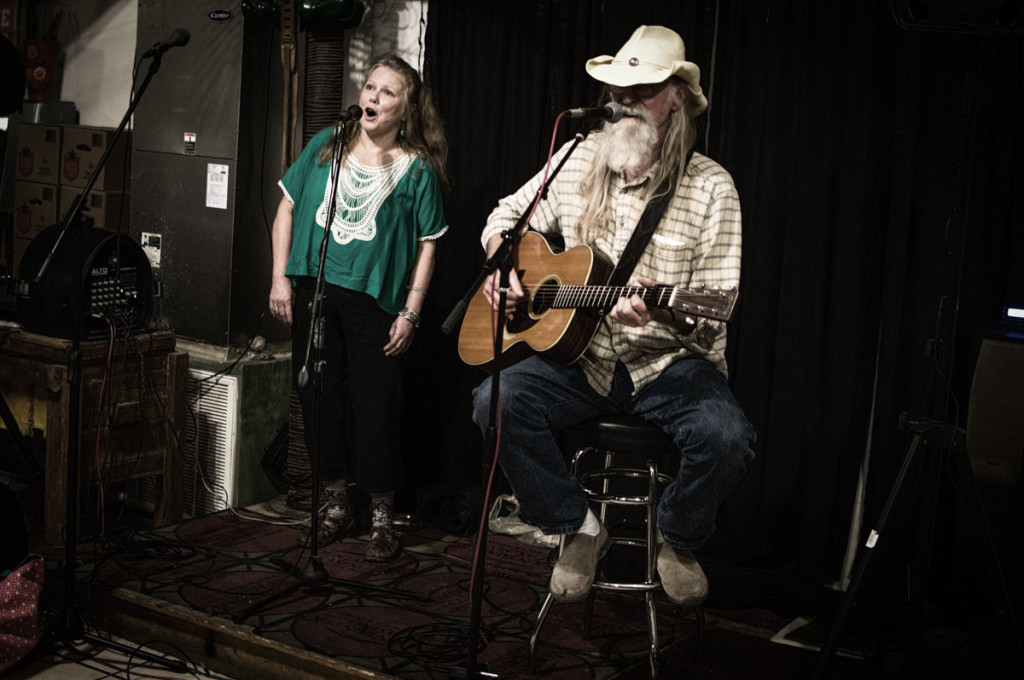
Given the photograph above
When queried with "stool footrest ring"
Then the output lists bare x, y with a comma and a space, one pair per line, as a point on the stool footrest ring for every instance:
613, 585
616, 500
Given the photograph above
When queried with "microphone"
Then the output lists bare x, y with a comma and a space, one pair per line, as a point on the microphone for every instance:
351, 113
611, 112
178, 38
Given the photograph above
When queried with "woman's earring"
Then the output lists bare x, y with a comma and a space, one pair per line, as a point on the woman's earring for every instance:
401, 133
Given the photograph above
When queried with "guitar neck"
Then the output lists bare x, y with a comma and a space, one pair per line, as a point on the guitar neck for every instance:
711, 303
600, 297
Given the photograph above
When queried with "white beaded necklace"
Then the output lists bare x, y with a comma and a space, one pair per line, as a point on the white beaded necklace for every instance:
361, 191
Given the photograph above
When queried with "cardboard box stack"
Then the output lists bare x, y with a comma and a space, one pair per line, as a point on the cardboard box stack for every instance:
36, 186
54, 163
82, 149
38, 153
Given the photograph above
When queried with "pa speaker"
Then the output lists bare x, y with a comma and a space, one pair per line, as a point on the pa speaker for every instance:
995, 414
115, 283
961, 16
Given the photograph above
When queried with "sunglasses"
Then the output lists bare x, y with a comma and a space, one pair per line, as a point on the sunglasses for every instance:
642, 91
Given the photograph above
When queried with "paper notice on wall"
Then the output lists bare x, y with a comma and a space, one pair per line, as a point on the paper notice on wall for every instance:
216, 186
151, 246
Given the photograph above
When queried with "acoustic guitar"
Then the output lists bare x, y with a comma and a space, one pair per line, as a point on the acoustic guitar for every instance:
563, 303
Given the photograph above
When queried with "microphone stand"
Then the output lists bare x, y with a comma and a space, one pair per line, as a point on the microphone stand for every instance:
510, 239
70, 622
314, 573
502, 261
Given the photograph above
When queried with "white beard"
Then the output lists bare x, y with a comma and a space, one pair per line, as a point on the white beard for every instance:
629, 144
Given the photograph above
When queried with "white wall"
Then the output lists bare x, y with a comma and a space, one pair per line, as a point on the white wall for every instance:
387, 27
98, 39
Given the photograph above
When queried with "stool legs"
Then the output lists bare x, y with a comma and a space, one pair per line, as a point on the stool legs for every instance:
600, 492
652, 633
649, 502
652, 562
544, 609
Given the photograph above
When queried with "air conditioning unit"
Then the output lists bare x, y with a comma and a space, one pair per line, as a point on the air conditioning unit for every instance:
230, 418
210, 436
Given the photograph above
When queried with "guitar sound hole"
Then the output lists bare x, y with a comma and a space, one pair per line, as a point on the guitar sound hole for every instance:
544, 298
521, 321
531, 308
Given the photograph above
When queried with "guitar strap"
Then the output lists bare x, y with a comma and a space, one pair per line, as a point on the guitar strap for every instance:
642, 232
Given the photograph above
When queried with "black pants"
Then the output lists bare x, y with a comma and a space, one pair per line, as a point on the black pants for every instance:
354, 422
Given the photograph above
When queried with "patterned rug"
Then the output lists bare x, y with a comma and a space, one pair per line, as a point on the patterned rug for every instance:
410, 618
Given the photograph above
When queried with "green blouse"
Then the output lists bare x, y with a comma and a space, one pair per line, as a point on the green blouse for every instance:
381, 214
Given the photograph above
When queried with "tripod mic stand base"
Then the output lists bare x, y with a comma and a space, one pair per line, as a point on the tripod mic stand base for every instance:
313, 573
174, 665
74, 631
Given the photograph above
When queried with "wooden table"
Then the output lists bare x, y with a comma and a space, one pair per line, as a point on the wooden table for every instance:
132, 413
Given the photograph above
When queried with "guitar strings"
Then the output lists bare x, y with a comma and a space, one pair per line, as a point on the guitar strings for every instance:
551, 295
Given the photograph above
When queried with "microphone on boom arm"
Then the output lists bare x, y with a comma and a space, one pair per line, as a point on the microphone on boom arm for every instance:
351, 113
178, 38
610, 112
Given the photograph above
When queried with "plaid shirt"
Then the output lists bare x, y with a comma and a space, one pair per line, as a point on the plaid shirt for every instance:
697, 243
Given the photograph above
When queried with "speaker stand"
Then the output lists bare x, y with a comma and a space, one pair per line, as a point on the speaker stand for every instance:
940, 440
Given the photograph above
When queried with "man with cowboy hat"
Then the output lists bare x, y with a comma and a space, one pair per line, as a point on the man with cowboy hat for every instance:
656, 363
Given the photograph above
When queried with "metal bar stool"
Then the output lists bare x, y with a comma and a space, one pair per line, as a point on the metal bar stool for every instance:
622, 436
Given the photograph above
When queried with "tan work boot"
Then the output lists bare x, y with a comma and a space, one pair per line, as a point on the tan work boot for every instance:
574, 571
681, 576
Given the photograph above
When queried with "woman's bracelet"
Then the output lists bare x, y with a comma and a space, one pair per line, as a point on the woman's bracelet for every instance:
417, 289
412, 316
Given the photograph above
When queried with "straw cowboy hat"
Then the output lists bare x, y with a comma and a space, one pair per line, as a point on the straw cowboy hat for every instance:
651, 55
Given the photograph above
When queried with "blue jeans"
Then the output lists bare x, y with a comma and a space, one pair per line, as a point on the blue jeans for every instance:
690, 401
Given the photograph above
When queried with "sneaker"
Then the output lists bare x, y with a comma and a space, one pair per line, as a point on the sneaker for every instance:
383, 546
681, 576
574, 571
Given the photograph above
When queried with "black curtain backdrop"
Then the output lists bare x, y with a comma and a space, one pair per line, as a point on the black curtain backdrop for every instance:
880, 170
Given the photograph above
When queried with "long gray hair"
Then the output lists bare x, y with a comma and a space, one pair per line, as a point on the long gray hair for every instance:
680, 138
